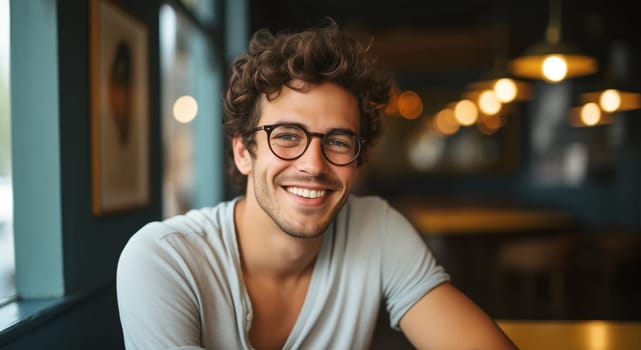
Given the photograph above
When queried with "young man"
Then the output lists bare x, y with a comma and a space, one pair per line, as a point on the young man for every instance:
297, 262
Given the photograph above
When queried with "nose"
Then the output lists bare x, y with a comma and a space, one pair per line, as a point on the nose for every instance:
312, 161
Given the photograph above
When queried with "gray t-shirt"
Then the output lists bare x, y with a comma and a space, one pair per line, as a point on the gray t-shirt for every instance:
180, 284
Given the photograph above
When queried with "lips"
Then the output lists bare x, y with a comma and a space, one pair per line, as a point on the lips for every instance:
306, 192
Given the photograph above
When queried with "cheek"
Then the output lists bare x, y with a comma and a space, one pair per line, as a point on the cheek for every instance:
347, 175
267, 165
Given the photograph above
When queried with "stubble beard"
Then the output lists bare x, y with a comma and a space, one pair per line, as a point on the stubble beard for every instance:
280, 219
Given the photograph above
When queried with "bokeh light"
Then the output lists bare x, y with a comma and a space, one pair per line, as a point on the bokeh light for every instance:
185, 109
410, 105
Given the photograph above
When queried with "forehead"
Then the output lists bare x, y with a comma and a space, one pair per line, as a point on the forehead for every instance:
317, 106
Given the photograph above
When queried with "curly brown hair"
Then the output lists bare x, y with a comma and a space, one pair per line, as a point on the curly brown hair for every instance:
316, 55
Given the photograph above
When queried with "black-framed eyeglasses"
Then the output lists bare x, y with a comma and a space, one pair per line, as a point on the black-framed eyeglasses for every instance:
290, 141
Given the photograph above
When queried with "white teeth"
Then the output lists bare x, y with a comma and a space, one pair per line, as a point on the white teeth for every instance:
305, 192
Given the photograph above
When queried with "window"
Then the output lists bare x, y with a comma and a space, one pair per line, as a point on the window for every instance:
7, 285
191, 108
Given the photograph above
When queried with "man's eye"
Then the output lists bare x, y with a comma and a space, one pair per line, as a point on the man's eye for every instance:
286, 137
337, 143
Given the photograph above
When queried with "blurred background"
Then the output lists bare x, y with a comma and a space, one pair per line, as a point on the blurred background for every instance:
529, 195
511, 142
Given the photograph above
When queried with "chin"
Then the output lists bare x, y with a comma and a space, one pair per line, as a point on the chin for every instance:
302, 232
303, 235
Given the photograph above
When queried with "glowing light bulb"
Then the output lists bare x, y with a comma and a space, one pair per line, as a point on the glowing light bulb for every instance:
610, 100
185, 109
554, 68
410, 105
489, 103
590, 114
465, 112
505, 90
445, 121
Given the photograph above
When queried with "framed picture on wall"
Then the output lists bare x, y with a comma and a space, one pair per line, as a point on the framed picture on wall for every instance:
119, 109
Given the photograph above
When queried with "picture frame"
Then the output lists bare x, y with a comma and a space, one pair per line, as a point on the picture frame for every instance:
119, 74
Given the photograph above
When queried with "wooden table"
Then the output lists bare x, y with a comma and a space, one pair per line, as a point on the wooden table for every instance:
465, 220
573, 335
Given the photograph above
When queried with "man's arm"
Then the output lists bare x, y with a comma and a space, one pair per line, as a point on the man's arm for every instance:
447, 319
157, 307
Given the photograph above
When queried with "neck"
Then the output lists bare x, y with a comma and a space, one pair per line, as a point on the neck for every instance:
268, 251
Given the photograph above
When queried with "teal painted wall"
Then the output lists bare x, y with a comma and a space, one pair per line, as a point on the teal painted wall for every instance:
35, 148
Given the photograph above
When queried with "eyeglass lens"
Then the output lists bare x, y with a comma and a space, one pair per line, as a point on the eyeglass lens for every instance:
291, 141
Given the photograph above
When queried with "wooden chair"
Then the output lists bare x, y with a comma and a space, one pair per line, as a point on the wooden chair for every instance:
532, 264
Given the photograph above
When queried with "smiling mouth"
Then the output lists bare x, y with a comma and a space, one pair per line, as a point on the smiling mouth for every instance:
306, 192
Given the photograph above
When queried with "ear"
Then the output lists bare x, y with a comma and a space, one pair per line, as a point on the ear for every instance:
242, 156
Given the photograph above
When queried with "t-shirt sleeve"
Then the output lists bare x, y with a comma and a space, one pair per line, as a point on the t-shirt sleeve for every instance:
409, 270
158, 308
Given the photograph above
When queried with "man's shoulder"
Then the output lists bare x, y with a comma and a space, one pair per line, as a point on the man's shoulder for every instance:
367, 209
373, 213
195, 222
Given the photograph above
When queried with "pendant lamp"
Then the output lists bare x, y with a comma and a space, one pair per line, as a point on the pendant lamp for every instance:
614, 92
552, 60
